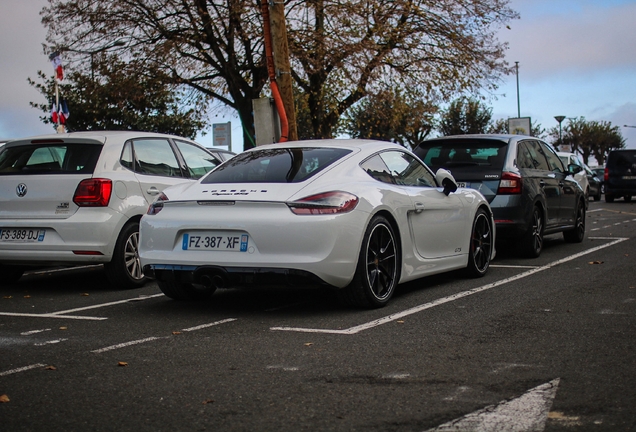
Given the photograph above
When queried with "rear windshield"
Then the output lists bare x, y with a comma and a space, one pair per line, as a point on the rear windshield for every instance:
460, 153
49, 159
280, 165
622, 162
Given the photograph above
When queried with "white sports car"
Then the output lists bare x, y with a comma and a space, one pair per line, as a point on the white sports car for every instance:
358, 215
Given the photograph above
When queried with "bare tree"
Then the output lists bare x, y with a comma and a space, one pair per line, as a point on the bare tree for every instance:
341, 50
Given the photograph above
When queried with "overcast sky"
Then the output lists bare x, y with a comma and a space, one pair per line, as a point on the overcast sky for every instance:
576, 58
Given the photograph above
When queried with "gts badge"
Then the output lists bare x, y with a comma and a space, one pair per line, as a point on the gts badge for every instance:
457, 250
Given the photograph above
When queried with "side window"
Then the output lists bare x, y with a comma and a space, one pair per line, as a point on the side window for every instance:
127, 156
537, 156
553, 159
524, 160
155, 157
377, 169
407, 170
198, 161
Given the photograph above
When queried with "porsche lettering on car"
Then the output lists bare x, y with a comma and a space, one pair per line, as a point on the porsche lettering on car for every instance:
360, 216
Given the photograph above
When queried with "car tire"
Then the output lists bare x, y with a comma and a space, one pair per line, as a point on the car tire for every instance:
11, 273
378, 269
532, 240
124, 270
577, 234
598, 195
481, 243
609, 198
178, 290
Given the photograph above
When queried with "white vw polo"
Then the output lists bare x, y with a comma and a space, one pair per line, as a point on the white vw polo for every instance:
77, 198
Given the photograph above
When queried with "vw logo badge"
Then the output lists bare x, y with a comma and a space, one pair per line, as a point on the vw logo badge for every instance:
21, 190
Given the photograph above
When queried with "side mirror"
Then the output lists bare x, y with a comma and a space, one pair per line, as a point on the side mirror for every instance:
574, 169
446, 179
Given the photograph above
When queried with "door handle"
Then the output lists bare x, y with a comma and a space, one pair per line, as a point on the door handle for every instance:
419, 207
152, 191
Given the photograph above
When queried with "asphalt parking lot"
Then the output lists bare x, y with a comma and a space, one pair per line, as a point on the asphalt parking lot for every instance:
78, 354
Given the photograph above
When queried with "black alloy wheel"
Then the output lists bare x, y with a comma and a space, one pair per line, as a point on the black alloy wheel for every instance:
481, 242
532, 241
378, 269
577, 234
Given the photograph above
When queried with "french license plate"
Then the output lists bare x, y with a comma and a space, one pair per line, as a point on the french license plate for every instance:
215, 241
629, 177
21, 235
461, 184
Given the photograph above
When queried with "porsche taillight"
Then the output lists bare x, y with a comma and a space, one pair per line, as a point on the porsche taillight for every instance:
157, 204
324, 203
94, 192
510, 184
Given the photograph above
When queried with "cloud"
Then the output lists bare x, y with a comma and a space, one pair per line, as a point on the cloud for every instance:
584, 39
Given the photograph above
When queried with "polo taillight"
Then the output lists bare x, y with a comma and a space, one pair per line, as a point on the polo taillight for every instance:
510, 184
93, 192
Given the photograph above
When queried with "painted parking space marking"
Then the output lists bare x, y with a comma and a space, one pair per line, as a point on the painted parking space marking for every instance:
51, 342
529, 412
202, 326
22, 369
101, 305
451, 298
125, 344
64, 313
28, 333
52, 315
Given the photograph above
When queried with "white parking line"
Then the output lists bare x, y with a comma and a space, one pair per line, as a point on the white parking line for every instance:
53, 316
202, 326
125, 344
54, 341
396, 316
22, 369
97, 306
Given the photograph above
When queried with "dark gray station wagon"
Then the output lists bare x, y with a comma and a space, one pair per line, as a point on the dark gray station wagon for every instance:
530, 191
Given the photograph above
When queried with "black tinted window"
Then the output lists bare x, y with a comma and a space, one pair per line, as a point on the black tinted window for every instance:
49, 159
622, 161
466, 153
277, 165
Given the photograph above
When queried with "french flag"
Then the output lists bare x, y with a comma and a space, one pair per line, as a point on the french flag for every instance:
54, 115
57, 65
63, 112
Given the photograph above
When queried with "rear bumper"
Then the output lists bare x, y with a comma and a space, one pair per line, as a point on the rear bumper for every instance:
228, 277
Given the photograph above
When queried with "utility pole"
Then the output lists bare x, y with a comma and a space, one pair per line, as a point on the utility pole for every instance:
281, 63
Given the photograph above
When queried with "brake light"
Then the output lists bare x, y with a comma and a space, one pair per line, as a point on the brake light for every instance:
324, 203
93, 192
606, 175
510, 184
157, 204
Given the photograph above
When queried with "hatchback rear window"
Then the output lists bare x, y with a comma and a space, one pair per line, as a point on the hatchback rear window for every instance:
457, 153
621, 162
279, 165
49, 159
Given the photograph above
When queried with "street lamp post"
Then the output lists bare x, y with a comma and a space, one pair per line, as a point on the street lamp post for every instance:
518, 103
560, 120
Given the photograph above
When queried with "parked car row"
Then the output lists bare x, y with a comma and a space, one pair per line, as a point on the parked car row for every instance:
359, 216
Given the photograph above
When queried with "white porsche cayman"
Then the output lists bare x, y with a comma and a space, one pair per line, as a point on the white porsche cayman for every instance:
358, 215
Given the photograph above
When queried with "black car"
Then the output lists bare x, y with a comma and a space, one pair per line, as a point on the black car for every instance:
529, 190
595, 183
620, 175
600, 173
